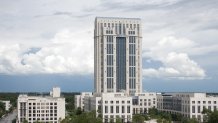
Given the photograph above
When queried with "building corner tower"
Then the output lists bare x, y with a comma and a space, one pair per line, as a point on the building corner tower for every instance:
117, 55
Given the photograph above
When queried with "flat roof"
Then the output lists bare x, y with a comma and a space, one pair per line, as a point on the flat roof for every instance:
117, 18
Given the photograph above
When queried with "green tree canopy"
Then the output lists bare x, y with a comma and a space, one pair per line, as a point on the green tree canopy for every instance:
138, 118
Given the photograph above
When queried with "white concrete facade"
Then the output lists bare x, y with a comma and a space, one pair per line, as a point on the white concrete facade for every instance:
142, 102
56, 91
117, 68
189, 105
7, 104
117, 54
110, 105
48, 109
79, 99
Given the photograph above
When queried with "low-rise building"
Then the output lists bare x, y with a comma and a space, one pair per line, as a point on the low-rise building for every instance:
189, 105
142, 102
79, 99
120, 104
7, 104
110, 105
48, 109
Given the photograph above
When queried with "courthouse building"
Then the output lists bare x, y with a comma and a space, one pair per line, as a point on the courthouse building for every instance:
46, 109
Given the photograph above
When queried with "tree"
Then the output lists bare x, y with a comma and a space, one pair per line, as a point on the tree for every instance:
25, 121
210, 116
78, 111
146, 117
213, 117
153, 112
2, 109
193, 120
138, 118
14, 121
159, 120
166, 116
176, 117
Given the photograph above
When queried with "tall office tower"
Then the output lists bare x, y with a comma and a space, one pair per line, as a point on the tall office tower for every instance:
118, 57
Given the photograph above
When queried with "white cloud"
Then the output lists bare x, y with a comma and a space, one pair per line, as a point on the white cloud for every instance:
67, 53
166, 45
145, 2
176, 62
177, 65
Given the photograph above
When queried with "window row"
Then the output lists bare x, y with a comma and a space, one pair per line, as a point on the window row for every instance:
39, 119
110, 60
42, 115
116, 24
110, 83
200, 108
131, 32
117, 102
118, 109
132, 72
132, 83
109, 31
43, 107
43, 111
43, 103
204, 102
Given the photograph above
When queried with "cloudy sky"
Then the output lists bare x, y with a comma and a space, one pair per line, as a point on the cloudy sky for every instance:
46, 43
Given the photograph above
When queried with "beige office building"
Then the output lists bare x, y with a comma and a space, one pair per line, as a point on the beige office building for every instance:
118, 55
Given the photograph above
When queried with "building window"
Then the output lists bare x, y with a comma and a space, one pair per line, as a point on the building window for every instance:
117, 102
193, 102
214, 102
209, 102
199, 102
112, 109
209, 107
123, 109
128, 109
149, 104
193, 109
106, 109
99, 108
117, 109
199, 109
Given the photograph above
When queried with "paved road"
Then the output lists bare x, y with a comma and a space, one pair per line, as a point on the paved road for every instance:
9, 117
